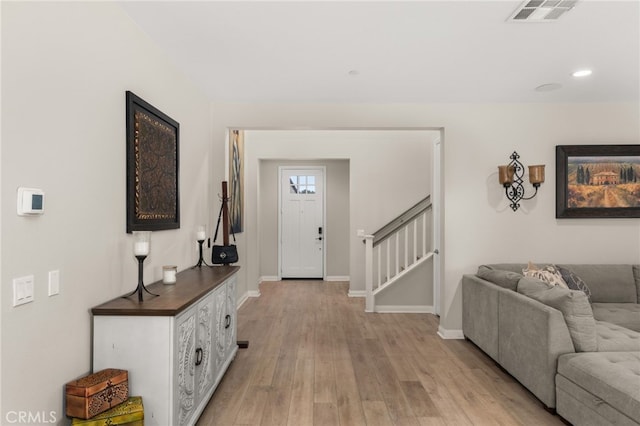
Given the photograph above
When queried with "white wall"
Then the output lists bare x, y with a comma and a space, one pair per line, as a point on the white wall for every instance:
65, 70
479, 225
387, 176
413, 294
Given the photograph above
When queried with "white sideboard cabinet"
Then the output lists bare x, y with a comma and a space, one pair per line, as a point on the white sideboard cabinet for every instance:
176, 346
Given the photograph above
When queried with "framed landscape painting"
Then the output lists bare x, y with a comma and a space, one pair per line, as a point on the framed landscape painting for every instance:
597, 181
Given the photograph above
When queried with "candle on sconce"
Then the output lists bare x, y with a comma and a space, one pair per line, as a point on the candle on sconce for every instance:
505, 174
201, 235
169, 273
536, 174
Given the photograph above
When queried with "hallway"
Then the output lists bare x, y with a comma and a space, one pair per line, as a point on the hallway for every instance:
315, 358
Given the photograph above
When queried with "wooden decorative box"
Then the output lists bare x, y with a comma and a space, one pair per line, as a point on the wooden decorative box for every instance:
130, 413
96, 393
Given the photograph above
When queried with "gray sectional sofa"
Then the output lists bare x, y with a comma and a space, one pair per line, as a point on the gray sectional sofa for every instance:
577, 350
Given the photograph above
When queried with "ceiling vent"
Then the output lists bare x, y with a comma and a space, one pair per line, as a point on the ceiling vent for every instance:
542, 10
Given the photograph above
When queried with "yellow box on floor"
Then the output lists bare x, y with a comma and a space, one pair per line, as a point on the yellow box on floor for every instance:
130, 413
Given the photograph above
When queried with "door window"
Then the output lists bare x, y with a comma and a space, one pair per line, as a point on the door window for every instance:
302, 184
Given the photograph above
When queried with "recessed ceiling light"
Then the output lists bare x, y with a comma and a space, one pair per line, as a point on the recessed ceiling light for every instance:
582, 73
549, 87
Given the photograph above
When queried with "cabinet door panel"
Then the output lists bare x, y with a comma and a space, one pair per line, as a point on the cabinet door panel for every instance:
231, 309
205, 338
186, 369
220, 345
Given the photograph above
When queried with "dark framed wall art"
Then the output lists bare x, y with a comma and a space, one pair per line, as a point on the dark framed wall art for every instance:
152, 167
236, 179
597, 181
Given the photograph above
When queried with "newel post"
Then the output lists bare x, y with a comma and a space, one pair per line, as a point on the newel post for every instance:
368, 272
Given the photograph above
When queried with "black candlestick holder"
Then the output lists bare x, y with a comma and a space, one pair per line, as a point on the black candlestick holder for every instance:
140, 283
200, 259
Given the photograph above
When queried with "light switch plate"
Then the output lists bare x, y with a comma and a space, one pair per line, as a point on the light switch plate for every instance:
22, 290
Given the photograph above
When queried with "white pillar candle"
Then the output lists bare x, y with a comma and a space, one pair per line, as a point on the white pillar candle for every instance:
201, 235
169, 274
141, 248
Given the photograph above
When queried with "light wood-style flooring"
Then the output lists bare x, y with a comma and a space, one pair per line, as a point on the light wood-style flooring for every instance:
316, 358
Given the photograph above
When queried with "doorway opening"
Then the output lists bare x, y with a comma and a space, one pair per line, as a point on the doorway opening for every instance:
378, 162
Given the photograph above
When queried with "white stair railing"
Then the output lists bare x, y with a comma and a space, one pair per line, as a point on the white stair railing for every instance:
396, 249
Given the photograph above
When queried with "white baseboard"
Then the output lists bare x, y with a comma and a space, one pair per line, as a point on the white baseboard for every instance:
242, 299
246, 296
450, 334
338, 278
268, 278
357, 293
404, 309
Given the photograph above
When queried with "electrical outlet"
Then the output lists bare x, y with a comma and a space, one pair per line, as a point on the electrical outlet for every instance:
54, 283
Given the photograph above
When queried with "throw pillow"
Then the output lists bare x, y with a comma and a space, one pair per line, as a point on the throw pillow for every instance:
529, 286
575, 308
573, 281
505, 279
548, 274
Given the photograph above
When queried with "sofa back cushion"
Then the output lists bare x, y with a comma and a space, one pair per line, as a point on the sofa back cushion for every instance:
573, 304
512, 267
608, 283
505, 279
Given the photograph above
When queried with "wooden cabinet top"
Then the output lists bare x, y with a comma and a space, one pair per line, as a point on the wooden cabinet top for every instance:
191, 285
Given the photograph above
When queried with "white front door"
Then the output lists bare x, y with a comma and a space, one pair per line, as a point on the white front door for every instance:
302, 232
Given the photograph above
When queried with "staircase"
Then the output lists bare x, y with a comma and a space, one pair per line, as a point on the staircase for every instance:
397, 248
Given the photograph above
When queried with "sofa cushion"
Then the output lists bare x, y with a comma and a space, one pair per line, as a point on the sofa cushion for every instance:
614, 338
608, 283
623, 314
574, 306
505, 279
547, 273
574, 282
580, 407
612, 377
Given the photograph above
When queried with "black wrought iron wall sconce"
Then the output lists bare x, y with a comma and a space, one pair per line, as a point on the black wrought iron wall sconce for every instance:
511, 175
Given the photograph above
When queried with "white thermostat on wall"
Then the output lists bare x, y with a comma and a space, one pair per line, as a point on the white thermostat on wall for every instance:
30, 201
